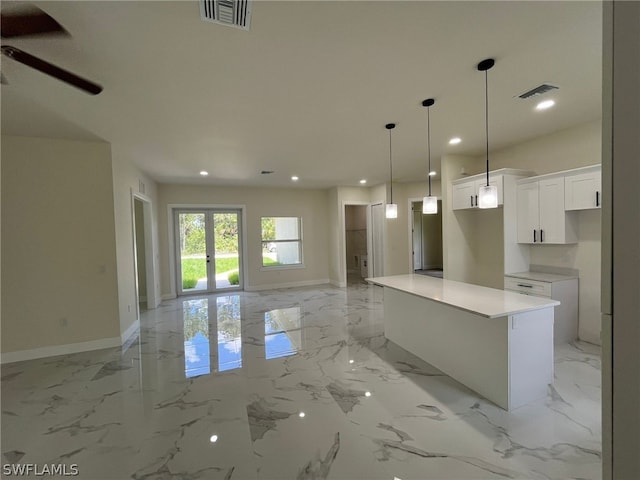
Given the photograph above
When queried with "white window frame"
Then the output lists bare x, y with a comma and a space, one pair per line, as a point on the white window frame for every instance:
299, 240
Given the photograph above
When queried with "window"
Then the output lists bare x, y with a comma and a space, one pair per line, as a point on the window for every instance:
281, 241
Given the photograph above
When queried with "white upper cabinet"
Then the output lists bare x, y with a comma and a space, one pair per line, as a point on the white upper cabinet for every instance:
464, 195
528, 212
540, 212
583, 189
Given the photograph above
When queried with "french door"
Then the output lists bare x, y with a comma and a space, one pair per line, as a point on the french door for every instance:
208, 250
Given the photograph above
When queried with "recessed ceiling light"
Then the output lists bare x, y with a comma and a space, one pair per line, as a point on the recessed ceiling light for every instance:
546, 104
367, 394
294, 178
432, 173
213, 439
455, 141
301, 414
363, 181
204, 173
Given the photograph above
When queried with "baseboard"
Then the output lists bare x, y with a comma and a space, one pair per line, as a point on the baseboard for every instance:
338, 284
273, 286
130, 334
55, 350
169, 296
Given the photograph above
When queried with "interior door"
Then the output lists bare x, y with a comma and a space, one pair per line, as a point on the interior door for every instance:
417, 237
208, 250
377, 225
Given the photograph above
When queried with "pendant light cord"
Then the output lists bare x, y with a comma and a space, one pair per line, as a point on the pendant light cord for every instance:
429, 147
390, 167
486, 116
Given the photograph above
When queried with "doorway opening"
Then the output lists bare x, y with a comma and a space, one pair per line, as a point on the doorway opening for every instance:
208, 250
356, 251
143, 254
140, 254
426, 241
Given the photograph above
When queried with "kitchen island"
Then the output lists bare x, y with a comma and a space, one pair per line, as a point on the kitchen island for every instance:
498, 343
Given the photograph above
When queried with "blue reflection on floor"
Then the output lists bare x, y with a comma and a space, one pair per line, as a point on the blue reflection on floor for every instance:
229, 332
278, 345
196, 356
280, 326
195, 314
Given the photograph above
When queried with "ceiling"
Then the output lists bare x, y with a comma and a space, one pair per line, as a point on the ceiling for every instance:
307, 91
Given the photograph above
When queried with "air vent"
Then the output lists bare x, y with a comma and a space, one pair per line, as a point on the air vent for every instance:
544, 88
234, 13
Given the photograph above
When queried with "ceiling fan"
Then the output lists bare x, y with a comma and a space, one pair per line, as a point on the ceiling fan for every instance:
35, 22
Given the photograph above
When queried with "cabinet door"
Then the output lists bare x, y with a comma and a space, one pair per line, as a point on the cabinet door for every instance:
464, 195
583, 191
552, 216
528, 212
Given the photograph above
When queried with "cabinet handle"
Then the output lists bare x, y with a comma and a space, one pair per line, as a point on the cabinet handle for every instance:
476, 200
541, 236
525, 285
597, 199
471, 200
534, 235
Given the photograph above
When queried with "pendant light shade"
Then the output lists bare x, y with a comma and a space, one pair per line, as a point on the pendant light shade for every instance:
429, 203
488, 194
391, 210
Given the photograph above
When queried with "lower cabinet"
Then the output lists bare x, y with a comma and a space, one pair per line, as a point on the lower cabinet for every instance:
565, 327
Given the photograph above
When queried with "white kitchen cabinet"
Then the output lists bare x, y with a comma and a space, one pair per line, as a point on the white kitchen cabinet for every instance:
540, 212
463, 195
465, 192
583, 189
557, 287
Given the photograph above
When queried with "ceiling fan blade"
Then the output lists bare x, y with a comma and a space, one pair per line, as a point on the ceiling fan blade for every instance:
31, 22
50, 69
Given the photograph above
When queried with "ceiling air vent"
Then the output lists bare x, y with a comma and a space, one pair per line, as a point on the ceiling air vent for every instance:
234, 13
539, 90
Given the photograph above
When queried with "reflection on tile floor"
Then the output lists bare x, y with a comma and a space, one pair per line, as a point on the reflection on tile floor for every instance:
288, 384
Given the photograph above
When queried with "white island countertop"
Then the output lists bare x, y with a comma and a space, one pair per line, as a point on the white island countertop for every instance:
483, 301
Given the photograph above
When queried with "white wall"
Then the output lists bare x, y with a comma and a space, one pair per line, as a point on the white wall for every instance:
58, 247
311, 205
127, 179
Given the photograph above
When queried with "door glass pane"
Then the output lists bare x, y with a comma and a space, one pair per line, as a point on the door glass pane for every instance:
227, 257
193, 252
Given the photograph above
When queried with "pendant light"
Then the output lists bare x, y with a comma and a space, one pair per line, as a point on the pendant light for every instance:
391, 210
488, 194
429, 203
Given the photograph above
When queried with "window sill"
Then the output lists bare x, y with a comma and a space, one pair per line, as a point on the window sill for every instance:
269, 268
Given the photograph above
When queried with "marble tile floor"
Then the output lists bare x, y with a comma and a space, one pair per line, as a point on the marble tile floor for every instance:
288, 384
